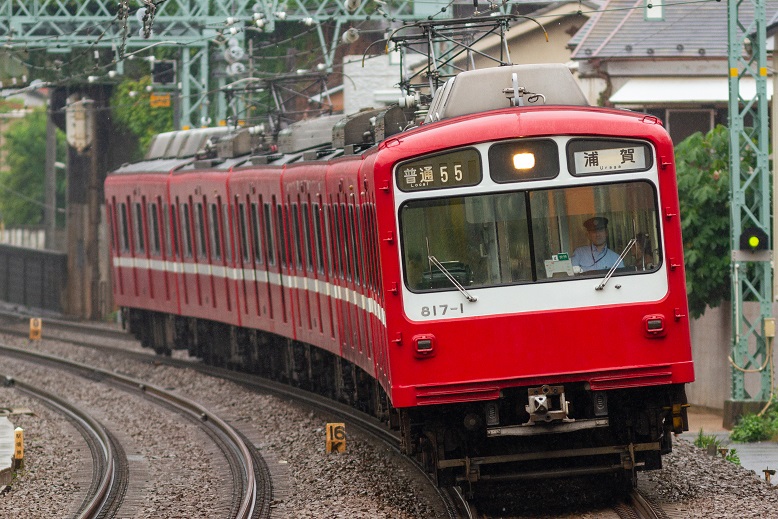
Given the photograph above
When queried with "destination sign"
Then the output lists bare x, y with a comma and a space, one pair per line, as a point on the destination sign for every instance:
455, 169
603, 157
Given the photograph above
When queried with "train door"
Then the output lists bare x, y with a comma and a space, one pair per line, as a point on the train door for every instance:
317, 298
141, 255
204, 279
112, 211
284, 317
171, 251
188, 276
330, 272
217, 259
263, 223
247, 299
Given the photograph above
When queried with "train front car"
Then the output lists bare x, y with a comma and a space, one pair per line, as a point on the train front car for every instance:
540, 326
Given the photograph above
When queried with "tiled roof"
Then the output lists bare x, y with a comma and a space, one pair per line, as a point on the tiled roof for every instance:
694, 29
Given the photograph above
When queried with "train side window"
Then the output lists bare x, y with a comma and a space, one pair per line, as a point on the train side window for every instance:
243, 232
227, 231
364, 234
200, 231
110, 211
174, 228
187, 227
213, 223
166, 230
347, 241
153, 220
270, 243
280, 233
307, 238
255, 233
318, 238
140, 242
356, 245
297, 245
125, 228
327, 239
338, 253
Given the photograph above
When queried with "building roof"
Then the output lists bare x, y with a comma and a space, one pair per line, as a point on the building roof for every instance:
686, 30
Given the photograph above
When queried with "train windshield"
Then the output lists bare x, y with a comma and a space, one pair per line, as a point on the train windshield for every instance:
532, 236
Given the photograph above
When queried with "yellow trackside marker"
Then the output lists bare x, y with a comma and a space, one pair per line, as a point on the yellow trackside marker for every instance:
336, 437
733, 72
18, 448
763, 71
35, 329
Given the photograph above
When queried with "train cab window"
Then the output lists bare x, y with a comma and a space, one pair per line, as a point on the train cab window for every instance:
530, 236
124, 228
244, 237
153, 219
186, 224
583, 231
317, 238
307, 238
200, 232
140, 242
213, 224
255, 234
268, 227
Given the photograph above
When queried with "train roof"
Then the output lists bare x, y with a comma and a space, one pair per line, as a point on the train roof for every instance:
493, 88
329, 136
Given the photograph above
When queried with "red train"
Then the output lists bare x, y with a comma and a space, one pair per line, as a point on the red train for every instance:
451, 278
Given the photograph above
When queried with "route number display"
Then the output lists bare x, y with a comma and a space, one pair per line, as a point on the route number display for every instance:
455, 169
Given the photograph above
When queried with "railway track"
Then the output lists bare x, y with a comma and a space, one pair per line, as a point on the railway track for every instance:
250, 491
453, 501
110, 466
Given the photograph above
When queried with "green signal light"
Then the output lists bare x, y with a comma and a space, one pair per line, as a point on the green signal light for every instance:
753, 241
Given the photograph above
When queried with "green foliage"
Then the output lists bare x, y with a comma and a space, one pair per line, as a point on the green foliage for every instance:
753, 428
131, 109
702, 163
704, 441
22, 184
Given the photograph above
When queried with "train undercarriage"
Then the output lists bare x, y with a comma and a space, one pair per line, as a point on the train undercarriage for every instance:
529, 432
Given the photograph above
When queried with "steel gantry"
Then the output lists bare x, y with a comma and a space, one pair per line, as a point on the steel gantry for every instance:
194, 27
752, 331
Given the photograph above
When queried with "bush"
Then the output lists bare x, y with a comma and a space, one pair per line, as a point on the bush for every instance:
753, 428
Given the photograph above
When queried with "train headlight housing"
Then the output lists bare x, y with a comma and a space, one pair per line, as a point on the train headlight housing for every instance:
654, 325
424, 345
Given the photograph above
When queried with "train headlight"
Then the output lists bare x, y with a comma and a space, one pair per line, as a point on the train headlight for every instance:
524, 161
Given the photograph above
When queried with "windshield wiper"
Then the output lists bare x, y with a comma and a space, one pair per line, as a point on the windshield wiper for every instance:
615, 265
451, 278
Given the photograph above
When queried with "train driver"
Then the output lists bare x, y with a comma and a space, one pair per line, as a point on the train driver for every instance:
596, 255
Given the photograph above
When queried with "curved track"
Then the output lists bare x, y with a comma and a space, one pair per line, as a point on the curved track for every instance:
455, 504
244, 463
110, 474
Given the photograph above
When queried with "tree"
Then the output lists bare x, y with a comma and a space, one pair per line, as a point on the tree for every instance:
702, 167
131, 108
22, 183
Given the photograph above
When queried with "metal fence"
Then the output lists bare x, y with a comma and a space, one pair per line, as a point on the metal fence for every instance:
33, 278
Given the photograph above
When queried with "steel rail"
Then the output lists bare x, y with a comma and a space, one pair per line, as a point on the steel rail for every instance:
248, 500
95, 434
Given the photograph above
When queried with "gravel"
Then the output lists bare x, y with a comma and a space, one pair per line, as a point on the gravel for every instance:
178, 476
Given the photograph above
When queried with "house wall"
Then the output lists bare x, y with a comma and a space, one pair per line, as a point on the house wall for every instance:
711, 347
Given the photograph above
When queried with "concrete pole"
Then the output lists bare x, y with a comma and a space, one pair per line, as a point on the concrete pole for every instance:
50, 184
